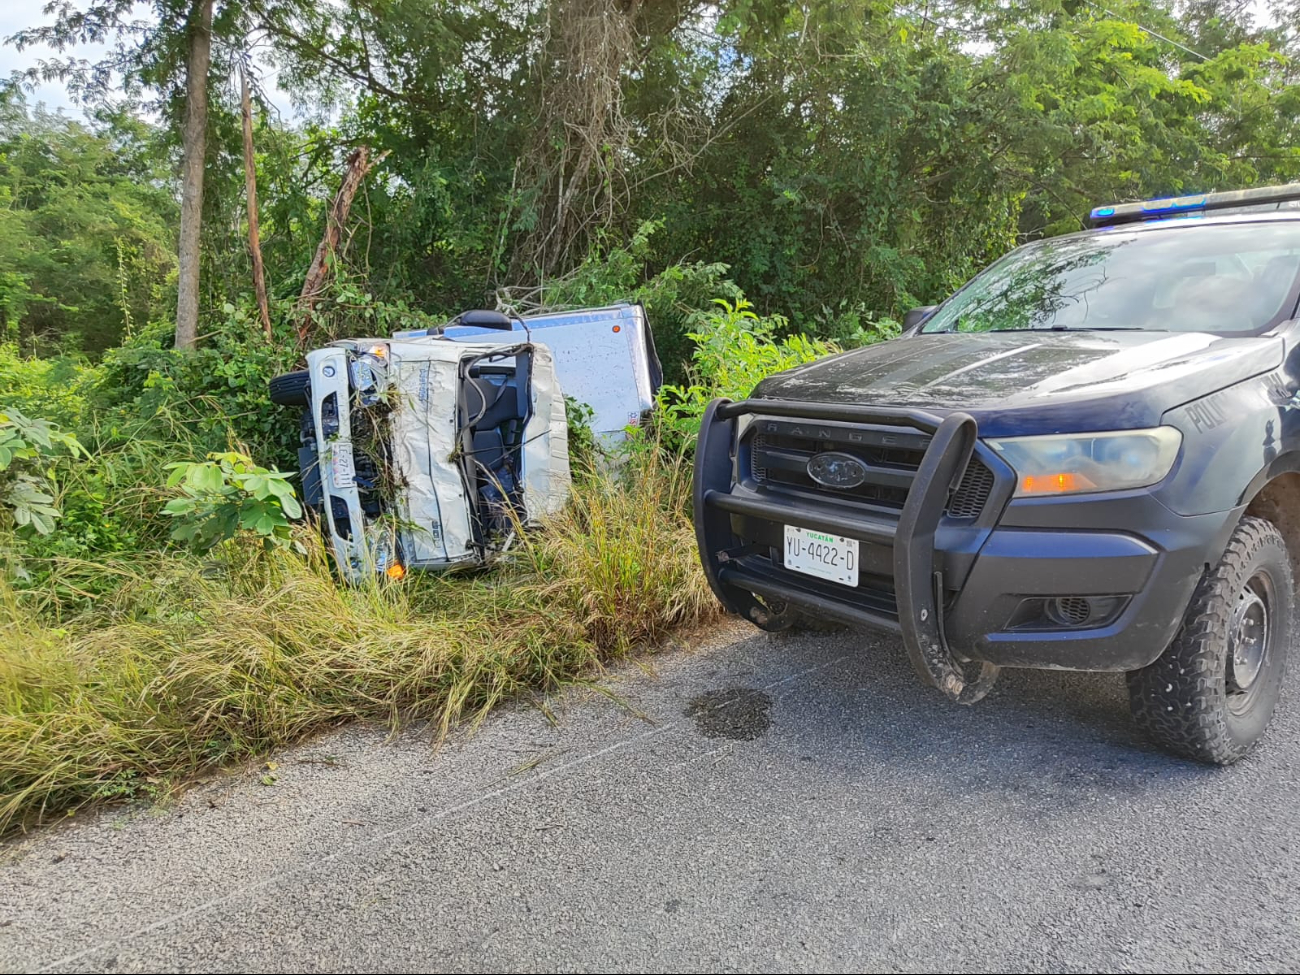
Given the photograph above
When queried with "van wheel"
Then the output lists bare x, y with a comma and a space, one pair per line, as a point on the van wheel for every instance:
291, 389
1212, 693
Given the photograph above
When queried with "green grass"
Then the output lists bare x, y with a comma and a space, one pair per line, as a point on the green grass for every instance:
126, 677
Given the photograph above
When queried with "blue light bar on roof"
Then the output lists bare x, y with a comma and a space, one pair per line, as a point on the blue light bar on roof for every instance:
1174, 204
1260, 198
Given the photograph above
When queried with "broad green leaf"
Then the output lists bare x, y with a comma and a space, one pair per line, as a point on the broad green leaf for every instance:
207, 478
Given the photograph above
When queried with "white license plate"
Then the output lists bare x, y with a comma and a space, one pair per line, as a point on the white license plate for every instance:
822, 554
342, 467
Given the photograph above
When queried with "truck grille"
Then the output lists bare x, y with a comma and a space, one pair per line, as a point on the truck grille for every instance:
781, 460
781, 449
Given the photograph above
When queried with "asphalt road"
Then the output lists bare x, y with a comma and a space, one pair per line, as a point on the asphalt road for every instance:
763, 804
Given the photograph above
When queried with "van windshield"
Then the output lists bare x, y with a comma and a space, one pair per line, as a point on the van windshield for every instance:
1227, 278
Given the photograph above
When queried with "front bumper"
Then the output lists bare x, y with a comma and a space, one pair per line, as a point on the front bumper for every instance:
966, 594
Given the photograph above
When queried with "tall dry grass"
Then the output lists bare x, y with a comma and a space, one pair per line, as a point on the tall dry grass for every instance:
184, 664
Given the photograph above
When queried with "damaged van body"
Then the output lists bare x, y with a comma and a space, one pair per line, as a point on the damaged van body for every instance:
427, 454
432, 449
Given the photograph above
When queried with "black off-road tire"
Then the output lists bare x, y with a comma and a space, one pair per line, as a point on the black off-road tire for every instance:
1188, 700
291, 389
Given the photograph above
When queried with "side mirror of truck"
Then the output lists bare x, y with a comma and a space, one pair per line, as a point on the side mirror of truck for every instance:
916, 316
483, 318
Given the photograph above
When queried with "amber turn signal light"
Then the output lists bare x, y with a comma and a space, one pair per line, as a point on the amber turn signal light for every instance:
1063, 483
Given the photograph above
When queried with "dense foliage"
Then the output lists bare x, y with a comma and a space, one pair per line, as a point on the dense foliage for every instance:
844, 160
86, 230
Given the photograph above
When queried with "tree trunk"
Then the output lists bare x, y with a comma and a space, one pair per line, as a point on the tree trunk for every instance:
194, 146
250, 188
358, 165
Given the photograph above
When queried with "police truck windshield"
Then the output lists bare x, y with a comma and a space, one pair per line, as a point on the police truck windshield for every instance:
1227, 278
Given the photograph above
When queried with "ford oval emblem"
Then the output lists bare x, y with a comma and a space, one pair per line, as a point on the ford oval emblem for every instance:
836, 470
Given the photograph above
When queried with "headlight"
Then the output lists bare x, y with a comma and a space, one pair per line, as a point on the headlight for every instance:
1076, 463
370, 374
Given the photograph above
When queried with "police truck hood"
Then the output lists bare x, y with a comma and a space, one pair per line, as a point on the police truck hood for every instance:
1033, 381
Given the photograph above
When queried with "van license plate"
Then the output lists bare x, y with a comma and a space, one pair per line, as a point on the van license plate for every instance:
821, 554
344, 470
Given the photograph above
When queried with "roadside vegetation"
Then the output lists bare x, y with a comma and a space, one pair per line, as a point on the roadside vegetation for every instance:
774, 181
178, 664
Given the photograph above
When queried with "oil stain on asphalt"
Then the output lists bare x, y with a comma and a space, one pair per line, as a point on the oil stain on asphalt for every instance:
738, 713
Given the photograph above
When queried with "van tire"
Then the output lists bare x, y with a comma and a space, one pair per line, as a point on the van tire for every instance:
291, 389
1211, 695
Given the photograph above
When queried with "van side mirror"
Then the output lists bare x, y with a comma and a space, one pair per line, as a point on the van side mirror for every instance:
916, 316
483, 318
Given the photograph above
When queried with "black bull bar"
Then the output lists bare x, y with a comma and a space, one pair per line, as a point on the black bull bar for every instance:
918, 581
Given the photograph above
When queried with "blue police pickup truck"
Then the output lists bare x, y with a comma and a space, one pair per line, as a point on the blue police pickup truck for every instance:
1087, 458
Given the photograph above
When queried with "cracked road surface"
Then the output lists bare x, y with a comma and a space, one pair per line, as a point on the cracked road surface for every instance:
794, 803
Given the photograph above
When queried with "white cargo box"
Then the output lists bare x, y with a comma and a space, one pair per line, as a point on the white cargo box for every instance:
604, 357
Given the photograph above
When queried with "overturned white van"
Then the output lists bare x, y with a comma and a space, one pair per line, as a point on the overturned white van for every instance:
424, 452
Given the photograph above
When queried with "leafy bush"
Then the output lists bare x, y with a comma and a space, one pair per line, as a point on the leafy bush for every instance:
207, 399
105, 495
227, 494
734, 350
850, 325
109, 499
26, 445
51, 388
144, 405
351, 310
584, 450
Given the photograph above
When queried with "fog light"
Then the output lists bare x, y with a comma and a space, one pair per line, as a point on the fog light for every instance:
1069, 610
1048, 613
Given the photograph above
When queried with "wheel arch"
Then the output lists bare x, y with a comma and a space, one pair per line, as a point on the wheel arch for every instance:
1277, 500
